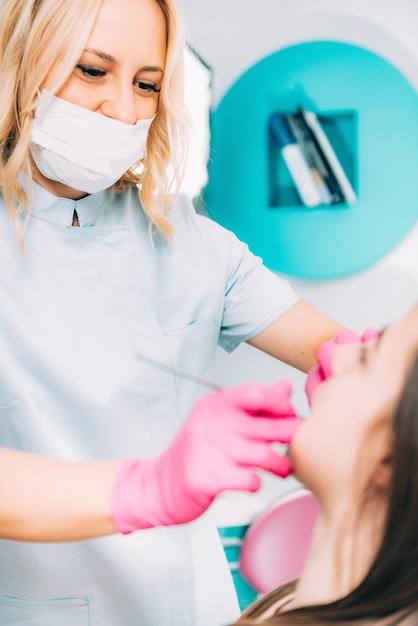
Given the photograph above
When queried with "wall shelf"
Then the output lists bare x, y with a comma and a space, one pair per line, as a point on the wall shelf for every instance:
341, 130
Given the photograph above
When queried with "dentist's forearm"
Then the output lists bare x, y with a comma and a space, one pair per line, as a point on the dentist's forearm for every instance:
45, 499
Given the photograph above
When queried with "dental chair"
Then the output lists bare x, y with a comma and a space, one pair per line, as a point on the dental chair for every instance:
276, 544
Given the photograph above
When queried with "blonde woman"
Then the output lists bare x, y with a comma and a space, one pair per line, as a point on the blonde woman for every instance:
101, 262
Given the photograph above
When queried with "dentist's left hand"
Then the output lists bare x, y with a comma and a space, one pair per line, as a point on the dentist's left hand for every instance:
227, 436
323, 370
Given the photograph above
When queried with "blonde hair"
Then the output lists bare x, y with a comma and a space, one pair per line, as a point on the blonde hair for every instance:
33, 35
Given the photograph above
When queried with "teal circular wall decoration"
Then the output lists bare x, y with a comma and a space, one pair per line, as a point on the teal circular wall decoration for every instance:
370, 111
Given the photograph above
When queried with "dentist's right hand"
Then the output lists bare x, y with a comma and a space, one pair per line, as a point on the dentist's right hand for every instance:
227, 436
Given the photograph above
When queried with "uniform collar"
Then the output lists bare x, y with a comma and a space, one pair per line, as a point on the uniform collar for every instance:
60, 211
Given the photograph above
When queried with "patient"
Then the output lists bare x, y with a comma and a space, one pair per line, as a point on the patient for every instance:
358, 453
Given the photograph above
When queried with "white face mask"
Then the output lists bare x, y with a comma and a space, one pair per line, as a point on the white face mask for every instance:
83, 149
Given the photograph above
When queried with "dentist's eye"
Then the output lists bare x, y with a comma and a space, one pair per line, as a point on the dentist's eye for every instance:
147, 87
91, 72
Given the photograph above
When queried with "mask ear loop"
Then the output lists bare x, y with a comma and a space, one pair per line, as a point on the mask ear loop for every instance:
41, 97
43, 94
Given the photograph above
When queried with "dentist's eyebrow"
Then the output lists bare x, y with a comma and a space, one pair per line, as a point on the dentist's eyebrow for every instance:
111, 59
102, 55
152, 68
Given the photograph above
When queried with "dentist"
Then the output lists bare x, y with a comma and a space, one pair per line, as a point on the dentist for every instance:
101, 261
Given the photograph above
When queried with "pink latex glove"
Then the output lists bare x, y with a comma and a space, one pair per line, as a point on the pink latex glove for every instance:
227, 435
323, 370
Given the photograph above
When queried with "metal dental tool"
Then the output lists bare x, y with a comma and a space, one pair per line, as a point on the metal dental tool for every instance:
198, 380
166, 367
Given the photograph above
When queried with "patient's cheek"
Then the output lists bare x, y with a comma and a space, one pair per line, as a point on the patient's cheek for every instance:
312, 453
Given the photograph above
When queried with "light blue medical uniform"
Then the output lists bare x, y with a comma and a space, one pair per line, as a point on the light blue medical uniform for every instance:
76, 308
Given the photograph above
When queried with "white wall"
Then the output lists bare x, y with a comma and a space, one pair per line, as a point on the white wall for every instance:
231, 35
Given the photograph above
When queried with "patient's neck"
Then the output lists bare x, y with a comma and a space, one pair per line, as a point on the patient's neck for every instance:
343, 548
